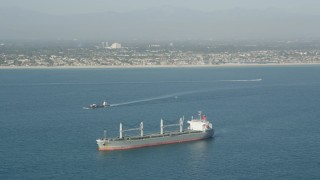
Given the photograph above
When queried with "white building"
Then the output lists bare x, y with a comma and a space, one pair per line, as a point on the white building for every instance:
115, 46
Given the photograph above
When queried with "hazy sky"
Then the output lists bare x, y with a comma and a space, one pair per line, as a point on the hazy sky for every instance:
85, 6
255, 19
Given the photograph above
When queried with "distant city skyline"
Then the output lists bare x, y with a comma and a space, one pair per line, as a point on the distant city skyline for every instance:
143, 54
61, 7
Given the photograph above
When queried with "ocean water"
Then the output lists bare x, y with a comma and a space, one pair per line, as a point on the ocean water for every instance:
264, 129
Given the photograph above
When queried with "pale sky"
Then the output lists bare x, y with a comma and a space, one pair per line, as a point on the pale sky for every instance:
255, 19
87, 6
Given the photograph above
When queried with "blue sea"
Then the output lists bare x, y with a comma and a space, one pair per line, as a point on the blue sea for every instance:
266, 121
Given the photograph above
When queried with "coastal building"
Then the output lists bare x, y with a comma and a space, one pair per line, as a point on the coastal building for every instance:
104, 44
115, 46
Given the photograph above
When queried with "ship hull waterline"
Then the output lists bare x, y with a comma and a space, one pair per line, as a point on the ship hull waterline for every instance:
170, 138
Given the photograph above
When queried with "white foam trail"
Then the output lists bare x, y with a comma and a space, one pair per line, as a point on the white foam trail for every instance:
142, 100
175, 95
242, 80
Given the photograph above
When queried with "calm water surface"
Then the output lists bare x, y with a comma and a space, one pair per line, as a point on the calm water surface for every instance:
266, 129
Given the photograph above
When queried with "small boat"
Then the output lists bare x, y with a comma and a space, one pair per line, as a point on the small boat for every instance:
103, 105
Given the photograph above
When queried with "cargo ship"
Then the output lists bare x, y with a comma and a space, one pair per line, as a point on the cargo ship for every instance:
198, 129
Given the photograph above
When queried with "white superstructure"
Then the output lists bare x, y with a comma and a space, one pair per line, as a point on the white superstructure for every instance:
200, 124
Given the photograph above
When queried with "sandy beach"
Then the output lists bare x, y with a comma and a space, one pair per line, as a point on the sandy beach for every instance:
158, 66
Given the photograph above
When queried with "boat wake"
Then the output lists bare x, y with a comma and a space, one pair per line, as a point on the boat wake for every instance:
174, 95
242, 80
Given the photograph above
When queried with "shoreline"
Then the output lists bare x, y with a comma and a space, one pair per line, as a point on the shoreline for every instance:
159, 66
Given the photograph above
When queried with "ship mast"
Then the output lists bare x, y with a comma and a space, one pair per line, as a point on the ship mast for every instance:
181, 124
169, 125
161, 126
141, 128
120, 131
